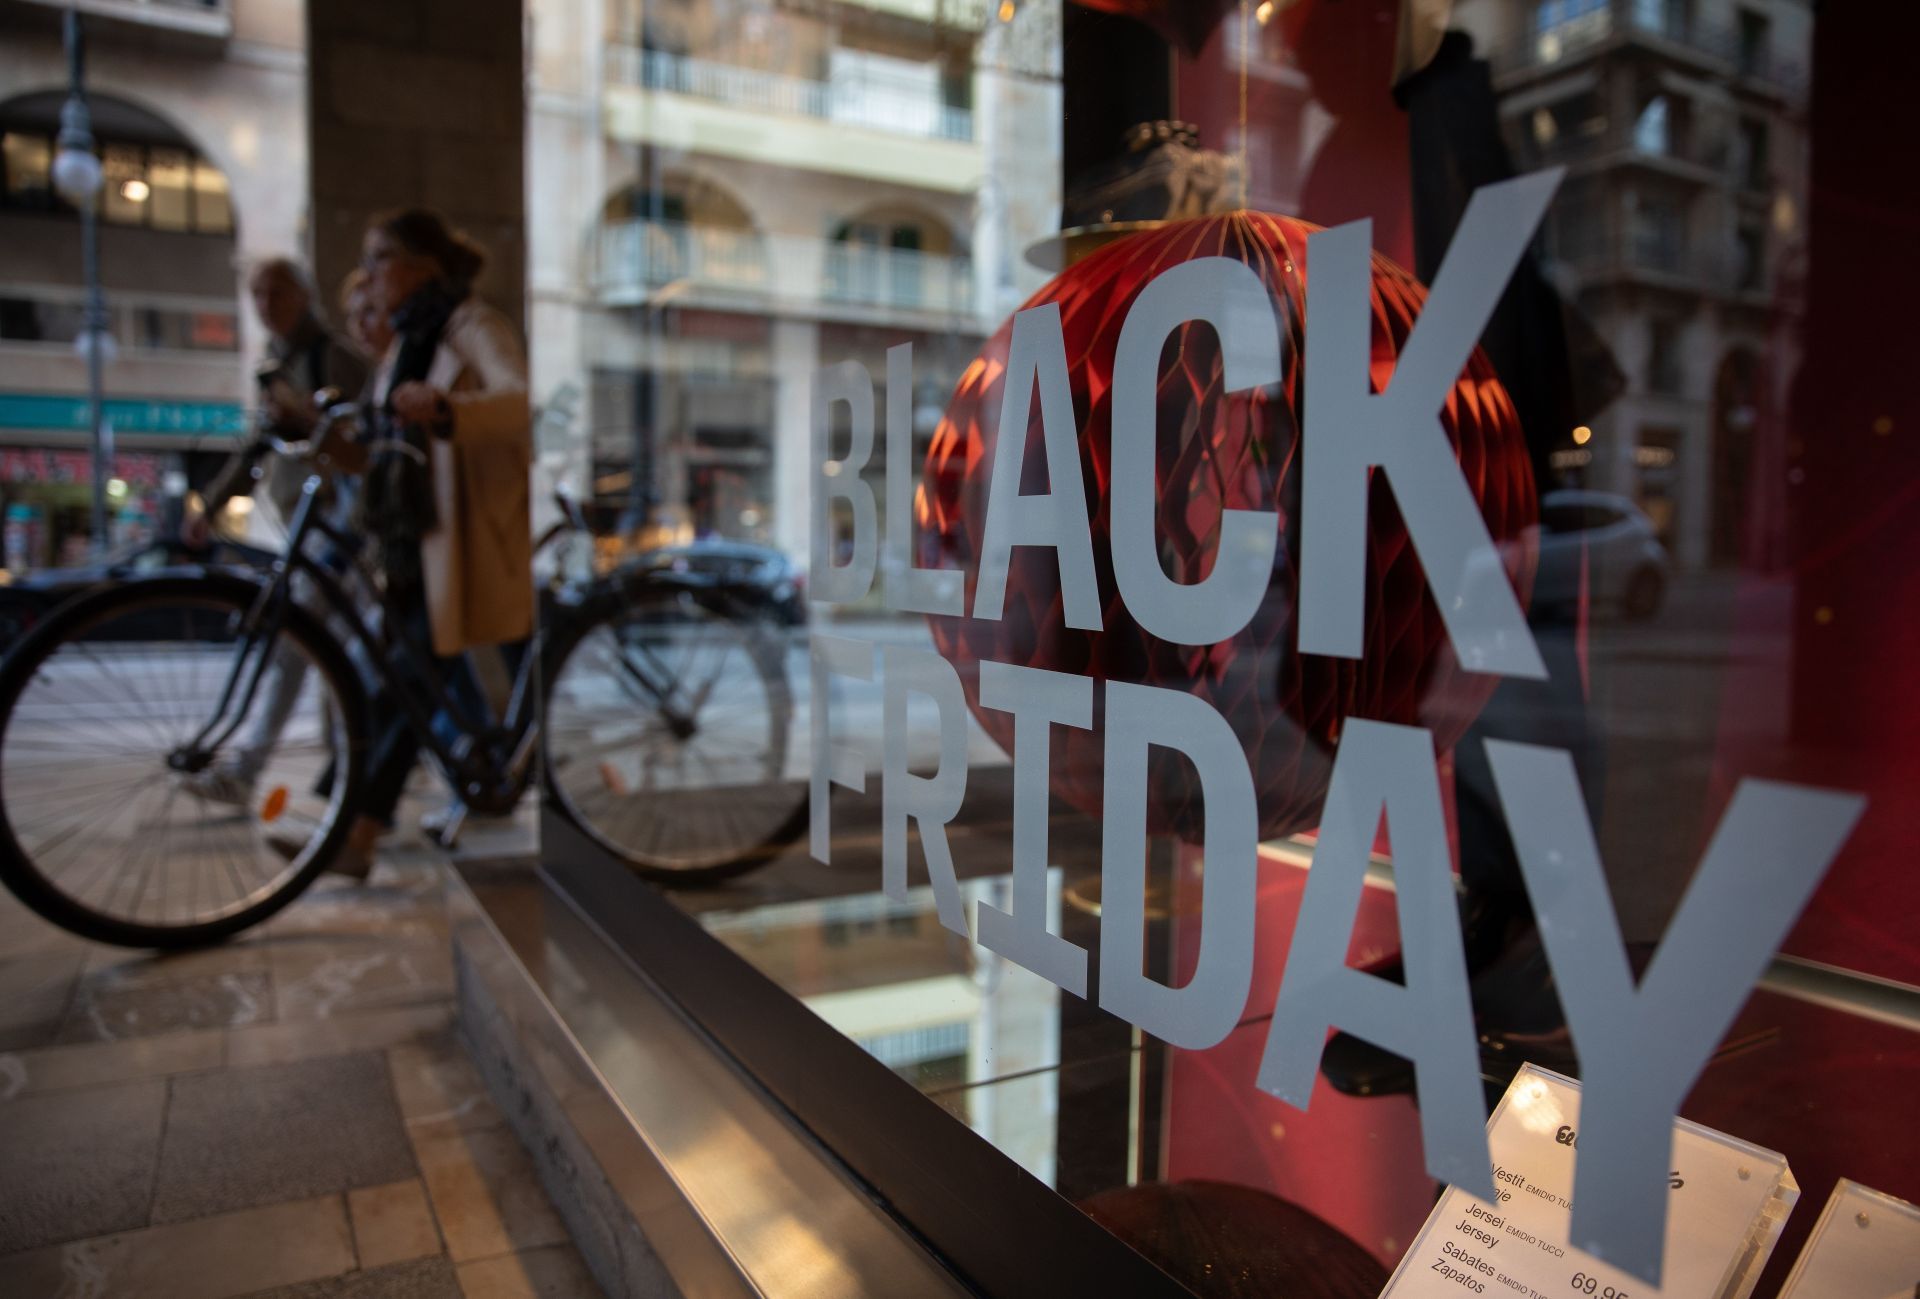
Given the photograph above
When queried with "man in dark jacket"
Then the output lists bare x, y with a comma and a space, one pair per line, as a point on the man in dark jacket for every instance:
303, 356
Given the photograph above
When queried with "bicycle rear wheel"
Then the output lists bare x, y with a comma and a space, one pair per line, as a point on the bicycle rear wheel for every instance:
107, 826
666, 732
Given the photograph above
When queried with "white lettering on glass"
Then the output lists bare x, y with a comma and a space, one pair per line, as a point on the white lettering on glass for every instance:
1038, 700
1202, 1012
1057, 517
1227, 295
902, 586
833, 760
847, 384
931, 801
1642, 1047
1349, 430
1386, 771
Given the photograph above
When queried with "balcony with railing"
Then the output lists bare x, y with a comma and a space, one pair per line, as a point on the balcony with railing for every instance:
1660, 256
1698, 156
637, 261
1579, 31
864, 98
636, 257
896, 278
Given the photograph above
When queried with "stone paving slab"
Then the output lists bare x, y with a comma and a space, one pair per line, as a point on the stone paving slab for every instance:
36, 992
77, 1163
237, 1138
555, 1272
105, 1010
210, 1258
427, 1278
290, 1115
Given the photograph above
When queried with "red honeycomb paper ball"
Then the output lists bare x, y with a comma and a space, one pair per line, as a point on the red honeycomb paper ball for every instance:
1214, 453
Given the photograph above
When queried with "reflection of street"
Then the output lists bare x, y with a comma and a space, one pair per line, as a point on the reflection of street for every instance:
1709, 670
668, 739
1663, 692
855, 707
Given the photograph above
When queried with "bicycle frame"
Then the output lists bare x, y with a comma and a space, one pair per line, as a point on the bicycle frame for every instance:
486, 763
394, 653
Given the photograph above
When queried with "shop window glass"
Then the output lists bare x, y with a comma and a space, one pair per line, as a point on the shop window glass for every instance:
1664, 362
1668, 18
29, 162
1754, 163
1750, 257
1660, 234
1755, 34
38, 320
170, 174
958, 395
124, 191
1553, 13
1639, 260
1659, 475
217, 331
212, 203
1650, 129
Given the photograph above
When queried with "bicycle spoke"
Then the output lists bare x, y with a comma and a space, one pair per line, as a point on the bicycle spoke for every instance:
667, 737
92, 800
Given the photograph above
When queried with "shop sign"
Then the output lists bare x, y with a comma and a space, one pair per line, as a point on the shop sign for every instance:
1641, 1043
62, 467
49, 412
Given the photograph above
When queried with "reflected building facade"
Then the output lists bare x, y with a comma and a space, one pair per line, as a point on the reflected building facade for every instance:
721, 196
199, 110
1680, 234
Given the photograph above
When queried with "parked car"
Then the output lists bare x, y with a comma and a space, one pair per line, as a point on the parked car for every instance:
28, 598
1626, 567
740, 564
1592, 542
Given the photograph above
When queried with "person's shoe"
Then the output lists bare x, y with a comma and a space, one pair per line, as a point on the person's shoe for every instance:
355, 857
443, 824
352, 861
220, 785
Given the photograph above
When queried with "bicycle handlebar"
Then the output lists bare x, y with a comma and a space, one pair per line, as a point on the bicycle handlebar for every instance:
332, 414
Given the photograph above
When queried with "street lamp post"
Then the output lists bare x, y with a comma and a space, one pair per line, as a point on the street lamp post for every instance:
77, 176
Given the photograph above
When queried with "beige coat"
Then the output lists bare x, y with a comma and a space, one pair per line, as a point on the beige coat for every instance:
478, 561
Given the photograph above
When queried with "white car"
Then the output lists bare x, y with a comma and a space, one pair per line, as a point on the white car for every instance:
1626, 566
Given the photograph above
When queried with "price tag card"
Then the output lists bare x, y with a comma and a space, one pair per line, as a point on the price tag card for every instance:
1865, 1246
1726, 1202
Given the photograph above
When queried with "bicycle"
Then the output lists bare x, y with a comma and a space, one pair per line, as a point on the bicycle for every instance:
663, 727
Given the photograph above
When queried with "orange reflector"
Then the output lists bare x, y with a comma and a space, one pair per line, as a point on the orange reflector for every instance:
274, 804
610, 777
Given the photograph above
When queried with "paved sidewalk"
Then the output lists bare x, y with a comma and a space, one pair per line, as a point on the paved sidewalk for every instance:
288, 1115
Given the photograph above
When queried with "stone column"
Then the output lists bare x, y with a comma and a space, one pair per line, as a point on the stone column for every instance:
419, 103
796, 355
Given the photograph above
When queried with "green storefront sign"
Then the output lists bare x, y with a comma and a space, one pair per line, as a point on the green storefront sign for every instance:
48, 412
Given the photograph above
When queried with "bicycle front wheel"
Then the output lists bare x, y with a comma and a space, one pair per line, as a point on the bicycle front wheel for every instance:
666, 732
166, 780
